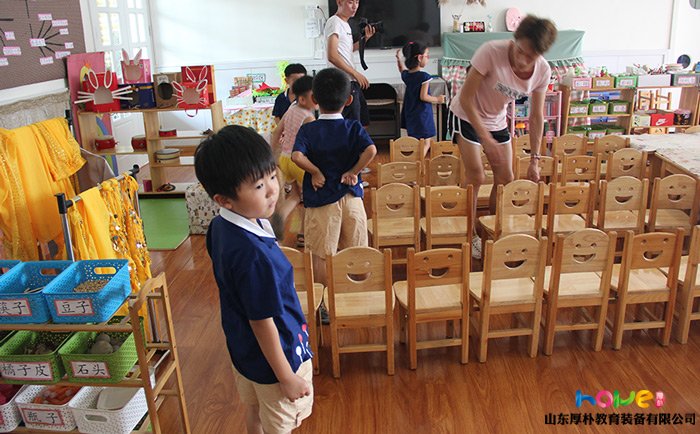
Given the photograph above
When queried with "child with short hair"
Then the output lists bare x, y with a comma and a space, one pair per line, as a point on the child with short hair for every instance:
417, 110
332, 151
261, 315
292, 72
282, 142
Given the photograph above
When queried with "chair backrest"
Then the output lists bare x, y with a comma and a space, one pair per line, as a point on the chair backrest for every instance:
693, 130
443, 147
406, 149
395, 201
521, 147
570, 199
443, 170
568, 144
359, 269
580, 168
437, 267
626, 162
624, 193
652, 250
447, 201
548, 167
514, 256
519, 197
677, 192
607, 145
586, 250
403, 172
303, 272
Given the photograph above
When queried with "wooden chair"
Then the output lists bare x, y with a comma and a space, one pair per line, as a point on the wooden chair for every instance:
443, 170
568, 144
579, 278
403, 172
406, 149
310, 295
622, 205
688, 279
607, 145
519, 210
626, 162
548, 168
674, 204
448, 214
435, 290
444, 147
360, 296
580, 169
506, 287
484, 193
638, 280
569, 208
693, 130
521, 147
395, 217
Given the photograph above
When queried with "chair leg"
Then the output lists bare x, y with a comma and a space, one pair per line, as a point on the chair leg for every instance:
535, 336
600, 331
550, 326
684, 313
464, 325
483, 335
313, 341
390, 344
335, 351
619, 324
412, 343
403, 315
668, 319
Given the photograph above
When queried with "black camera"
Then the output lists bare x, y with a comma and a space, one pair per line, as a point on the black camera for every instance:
378, 25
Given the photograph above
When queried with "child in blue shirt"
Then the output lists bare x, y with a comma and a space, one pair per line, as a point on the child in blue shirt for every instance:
260, 312
332, 151
292, 72
417, 110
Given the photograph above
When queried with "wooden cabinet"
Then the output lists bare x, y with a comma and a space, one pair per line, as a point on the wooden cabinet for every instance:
655, 96
622, 121
152, 125
518, 113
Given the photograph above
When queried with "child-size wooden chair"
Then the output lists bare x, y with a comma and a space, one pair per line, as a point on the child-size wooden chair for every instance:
443, 170
568, 144
674, 204
622, 205
688, 283
435, 290
638, 280
444, 147
404, 172
406, 149
580, 169
484, 193
626, 162
360, 296
521, 147
569, 208
519, 210
607, 145
579, 278
310, 295
448, 214
548, 168
506, 287
395, 217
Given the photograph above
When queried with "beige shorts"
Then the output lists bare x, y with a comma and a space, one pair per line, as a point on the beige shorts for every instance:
336, 226
277, 413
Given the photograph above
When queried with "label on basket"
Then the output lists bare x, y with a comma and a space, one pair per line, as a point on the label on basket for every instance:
74, 307
90, 369
33, 371
42, 417
15, 307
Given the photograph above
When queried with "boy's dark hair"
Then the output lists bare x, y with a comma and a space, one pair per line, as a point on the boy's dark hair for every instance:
331, 89
302, 85
294, 68
541, 33
411, 51
232, 156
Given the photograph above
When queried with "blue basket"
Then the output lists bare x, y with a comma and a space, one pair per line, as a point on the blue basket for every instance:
68, 306
6, 265
18, 307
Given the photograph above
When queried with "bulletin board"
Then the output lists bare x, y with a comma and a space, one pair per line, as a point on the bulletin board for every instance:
35, 37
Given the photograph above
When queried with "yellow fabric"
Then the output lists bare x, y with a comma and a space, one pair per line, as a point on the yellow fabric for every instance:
83, 246
97, 219
61, 152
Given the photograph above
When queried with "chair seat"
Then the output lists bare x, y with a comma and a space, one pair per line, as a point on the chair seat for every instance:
682, 269
512, 224
359, 304
393, 228
484, 192
670, 218
503, 292
620, 219
641, 280
447, 226
318, 298
431, 298
572, 285
566, 223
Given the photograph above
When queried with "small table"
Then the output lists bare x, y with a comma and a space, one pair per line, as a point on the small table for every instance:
257, 116
670, 153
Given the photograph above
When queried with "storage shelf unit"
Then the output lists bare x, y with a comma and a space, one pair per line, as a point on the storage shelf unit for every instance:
689, 100
552, 118
623, 121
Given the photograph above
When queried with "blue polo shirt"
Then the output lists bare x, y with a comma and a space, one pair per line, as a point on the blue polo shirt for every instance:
282, 104
256, 282
334, 145
416, 115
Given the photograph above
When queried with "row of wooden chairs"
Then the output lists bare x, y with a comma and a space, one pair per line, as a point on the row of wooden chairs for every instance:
516, 282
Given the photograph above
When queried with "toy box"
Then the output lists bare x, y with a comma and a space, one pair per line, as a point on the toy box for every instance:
578, 108
163, 88
618, 107
605, 82
625, 81
142, 96
597, 107
684, 79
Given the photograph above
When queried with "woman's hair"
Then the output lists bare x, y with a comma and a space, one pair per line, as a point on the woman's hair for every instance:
411, 51
541, 33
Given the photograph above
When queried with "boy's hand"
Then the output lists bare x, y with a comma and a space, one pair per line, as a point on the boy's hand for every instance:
441, 99
295, 388
318, 180
349, 178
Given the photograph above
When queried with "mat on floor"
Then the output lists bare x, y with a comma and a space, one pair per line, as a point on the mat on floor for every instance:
165, 222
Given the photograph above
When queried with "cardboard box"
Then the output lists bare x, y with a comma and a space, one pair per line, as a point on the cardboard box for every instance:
605, 82
208, 75
641, 120
578, 83
163, 89
142, 96
660, 118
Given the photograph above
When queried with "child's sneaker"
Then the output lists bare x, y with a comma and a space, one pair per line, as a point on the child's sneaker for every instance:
476, 247
325, 318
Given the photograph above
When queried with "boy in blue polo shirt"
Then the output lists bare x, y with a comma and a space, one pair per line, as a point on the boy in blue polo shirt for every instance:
332, 151
292, 72
260, 312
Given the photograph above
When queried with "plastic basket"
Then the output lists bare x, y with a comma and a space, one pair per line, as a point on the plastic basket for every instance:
598, 107
83, 367
68, 306
6, 265
10, 416
92, 420
44, 416
578, 108
19, 307
19, 368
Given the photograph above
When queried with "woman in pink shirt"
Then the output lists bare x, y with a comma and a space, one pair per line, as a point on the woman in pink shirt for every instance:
502, 71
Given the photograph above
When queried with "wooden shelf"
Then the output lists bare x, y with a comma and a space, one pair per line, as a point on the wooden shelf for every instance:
184, 161
180, 188
626, 115
181, 135
149, 110
118, 151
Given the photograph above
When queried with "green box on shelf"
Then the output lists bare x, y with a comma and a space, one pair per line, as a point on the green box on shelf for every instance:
19, 368
597, 131
625, 81
578, 108
618, 107
597, 107
580, 130
615, 131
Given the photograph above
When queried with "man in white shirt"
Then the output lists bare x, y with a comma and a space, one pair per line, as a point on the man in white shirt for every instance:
340, 46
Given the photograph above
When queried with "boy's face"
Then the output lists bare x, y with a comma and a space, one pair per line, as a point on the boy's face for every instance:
291, 78
256, 198
305, 101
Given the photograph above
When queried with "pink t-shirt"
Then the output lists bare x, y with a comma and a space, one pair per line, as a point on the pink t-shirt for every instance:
500, 84
293, 119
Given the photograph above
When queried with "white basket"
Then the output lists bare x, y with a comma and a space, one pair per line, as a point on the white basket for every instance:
9, 414
94, 421
44, 416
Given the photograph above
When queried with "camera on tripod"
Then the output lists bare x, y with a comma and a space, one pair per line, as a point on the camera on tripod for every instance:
378, 25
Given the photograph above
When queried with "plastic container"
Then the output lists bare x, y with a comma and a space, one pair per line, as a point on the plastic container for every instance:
578, 108
44, 416
598, 107
615, 131
625, 81
580, 131
92, 420
10, 416
6, 265
68, 306
605, 82
19, 368
618, 107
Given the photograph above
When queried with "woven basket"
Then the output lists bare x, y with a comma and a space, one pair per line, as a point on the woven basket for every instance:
9, 413
19, 368
44, 416
92, 420
6, 265
83, 367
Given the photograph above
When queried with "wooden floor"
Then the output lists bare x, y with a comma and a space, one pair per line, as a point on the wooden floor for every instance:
510, 393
